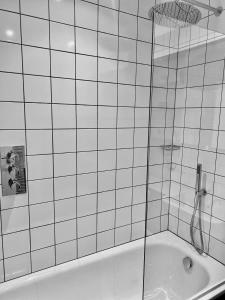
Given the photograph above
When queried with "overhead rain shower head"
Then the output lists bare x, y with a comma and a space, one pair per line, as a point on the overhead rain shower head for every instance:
175, 14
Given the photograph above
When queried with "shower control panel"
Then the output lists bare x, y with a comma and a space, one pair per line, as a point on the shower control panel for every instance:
13, 172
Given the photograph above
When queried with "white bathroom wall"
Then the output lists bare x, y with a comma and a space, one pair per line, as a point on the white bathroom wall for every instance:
199, 130
74, 89
161, 129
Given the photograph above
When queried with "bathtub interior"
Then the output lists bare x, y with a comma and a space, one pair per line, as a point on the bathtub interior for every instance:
165, 273
170, 276
116, 274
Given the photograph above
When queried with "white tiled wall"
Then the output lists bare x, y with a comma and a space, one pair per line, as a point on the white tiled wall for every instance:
77, 97
161, 131
199, 130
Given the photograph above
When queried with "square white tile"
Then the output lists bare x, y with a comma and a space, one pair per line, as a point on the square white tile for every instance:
65, 187
11, 87
63, 64
124, 178
86, 184
65, 209
16, 112
41, 214
15, 219
39, 142
123, 216
106, 201
105, 240
128, 25
37, 89
64, 140
40, 167
10, 60
17, 266
62, 11
106, 139
12, 5
65, 164
86, 205
86, 226
108, 45
86, 67
62, 37
106, 160
86, 15
123, 197
40, 191
123, 235
20, 239
86, 116
107, 117
108, 20
10, 27
35, 32
42, 259
66, 252
64, 116
107, 70
42, 237
63, 90
86, 162
65, 231
86, 92
86, 139
86, 41
31, 7
36, 61
126, 95
87, 245
106, 181
106, 220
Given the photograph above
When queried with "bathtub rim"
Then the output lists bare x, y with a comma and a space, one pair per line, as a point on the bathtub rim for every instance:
70, 265
166, 238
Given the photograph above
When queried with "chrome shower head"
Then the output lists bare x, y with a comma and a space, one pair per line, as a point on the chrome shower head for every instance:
175, 14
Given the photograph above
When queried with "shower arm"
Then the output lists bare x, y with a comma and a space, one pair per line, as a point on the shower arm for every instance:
216, 10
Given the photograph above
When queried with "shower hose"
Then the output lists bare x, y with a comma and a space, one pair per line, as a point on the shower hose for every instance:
197, 206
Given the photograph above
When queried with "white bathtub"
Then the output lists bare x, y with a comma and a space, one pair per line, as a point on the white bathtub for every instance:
116, 274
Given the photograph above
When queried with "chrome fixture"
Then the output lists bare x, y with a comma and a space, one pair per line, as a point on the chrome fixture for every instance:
179, 13
199, 195
216, 10
188, 264
13, 172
